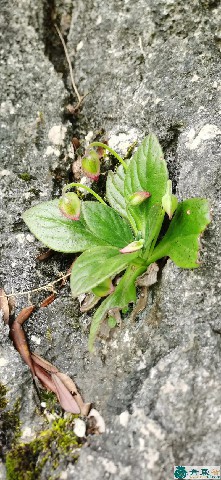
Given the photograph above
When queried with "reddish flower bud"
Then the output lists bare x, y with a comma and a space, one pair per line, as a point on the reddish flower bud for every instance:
138, 197
91, 165
70, 205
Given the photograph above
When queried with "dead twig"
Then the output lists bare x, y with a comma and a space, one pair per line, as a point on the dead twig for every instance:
47, 287
79, 97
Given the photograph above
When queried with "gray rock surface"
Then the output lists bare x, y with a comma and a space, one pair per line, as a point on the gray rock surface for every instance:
147, 65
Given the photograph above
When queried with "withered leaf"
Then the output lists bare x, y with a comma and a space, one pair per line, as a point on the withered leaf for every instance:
149, 277
17, 335
45, 255
48, 300
89, 302
45, 378
101, 150
48, 375
11, 304
70, 385
4, 306
141, 303
67, 401
24, 314
43, 363
75, 142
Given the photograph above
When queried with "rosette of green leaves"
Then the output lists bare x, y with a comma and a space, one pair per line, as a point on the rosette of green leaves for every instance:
102, 231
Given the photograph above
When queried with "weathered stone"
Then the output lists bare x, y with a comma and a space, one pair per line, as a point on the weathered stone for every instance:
147, 65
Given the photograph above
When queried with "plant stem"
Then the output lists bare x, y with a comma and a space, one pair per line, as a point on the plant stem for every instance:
80, 185
156, 255
115, 154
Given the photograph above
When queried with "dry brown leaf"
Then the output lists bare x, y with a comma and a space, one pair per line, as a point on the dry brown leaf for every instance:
141, 303
24, 314
65, 379
48, 375
101, 150
48, 300
67, 401
149, 277
11, 304
45, 255
43, 363
17, 335
105, 330
4, 306
89, 302
45, 378
70, 385
75, 142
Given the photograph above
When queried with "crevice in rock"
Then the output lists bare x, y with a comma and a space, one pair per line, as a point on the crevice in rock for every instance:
53, 46
169, 145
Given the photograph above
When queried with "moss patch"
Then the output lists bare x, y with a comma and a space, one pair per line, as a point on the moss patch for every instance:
26, 460
9, 422
25, 176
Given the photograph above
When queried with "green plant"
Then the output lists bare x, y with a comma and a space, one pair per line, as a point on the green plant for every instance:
122, 236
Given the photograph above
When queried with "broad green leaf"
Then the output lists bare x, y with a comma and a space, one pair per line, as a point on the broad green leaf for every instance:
153, 227
56, 231
106, 224
181, 241
124, 293
115, 191
147, 171
95, 265
104, 288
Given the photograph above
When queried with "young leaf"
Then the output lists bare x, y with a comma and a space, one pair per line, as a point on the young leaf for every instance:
181, 242
115, 191
133, 247
124, 293
48, 224
147, 171
169, 201
95, 265
106, 224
